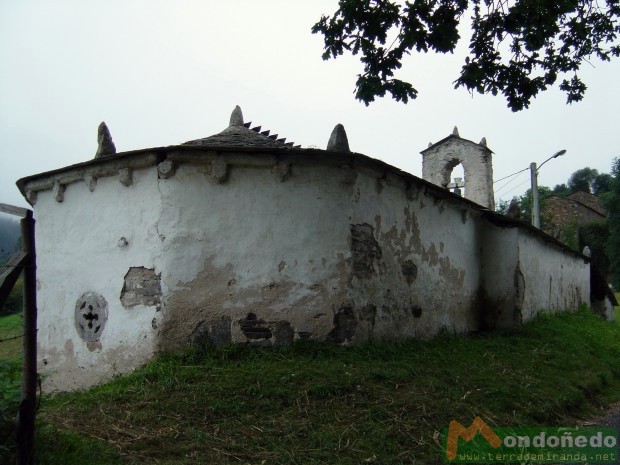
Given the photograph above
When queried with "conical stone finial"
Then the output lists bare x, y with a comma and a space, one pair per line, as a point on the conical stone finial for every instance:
455, 131
104, 141
483, 141
430, 144
338, 140
236, 117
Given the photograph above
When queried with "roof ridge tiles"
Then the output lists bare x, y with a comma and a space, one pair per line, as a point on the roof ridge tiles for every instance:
241, 134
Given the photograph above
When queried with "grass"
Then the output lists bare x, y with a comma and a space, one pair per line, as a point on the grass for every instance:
323, 404
10, 370
11, 328
315, 404
15, 301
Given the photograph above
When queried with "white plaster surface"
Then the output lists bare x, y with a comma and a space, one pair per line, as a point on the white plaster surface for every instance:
253, 244
553, 281
271, 248
77, 251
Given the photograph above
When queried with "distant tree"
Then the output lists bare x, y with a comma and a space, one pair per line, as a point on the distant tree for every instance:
561, 190
585, 179
501, 206
582, 180
517, 48
611, 200
511, 209
525, 204
601, 184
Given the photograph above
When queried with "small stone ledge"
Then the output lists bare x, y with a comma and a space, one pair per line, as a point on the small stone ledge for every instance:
166, 169
118, 162
219, 170
104, 167
125, 176
31, 196
59, 191
91, 182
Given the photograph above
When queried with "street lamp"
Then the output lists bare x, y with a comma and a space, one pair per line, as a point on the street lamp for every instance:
534, 175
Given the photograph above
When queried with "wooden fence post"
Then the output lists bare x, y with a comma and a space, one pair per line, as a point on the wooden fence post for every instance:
27, 406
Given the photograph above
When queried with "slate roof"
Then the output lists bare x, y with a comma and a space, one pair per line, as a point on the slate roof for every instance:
239, 134
589, 200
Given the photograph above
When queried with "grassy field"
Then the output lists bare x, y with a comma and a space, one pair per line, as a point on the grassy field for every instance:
10, 366
11, 328
320, 404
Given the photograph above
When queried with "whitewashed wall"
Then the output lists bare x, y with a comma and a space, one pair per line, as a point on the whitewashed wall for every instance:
78, 251
264, 249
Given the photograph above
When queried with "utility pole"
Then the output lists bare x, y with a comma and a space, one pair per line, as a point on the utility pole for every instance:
535, 206
534, 176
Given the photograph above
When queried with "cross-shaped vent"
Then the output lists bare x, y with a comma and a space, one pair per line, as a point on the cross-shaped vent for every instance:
91, 314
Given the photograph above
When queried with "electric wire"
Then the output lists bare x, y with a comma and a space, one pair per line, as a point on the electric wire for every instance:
506, 177
497, 191
516, 187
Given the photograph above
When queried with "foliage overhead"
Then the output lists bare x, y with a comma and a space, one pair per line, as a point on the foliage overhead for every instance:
517, 48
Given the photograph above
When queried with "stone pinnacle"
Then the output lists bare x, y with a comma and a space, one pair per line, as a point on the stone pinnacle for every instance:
104, 141
338, 140
236, 117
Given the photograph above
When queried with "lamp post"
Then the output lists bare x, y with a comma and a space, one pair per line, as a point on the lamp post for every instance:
534, 176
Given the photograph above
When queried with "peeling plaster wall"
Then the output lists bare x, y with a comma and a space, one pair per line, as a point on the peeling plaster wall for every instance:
79, 249
500, 299
252, 245
523, 276
554, 281
414, 229
312, 257
265, 250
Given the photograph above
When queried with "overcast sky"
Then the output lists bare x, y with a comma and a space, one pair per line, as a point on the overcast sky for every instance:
164, 72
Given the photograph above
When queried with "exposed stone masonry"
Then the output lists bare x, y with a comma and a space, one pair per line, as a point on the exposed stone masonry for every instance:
439, 159
562, 214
